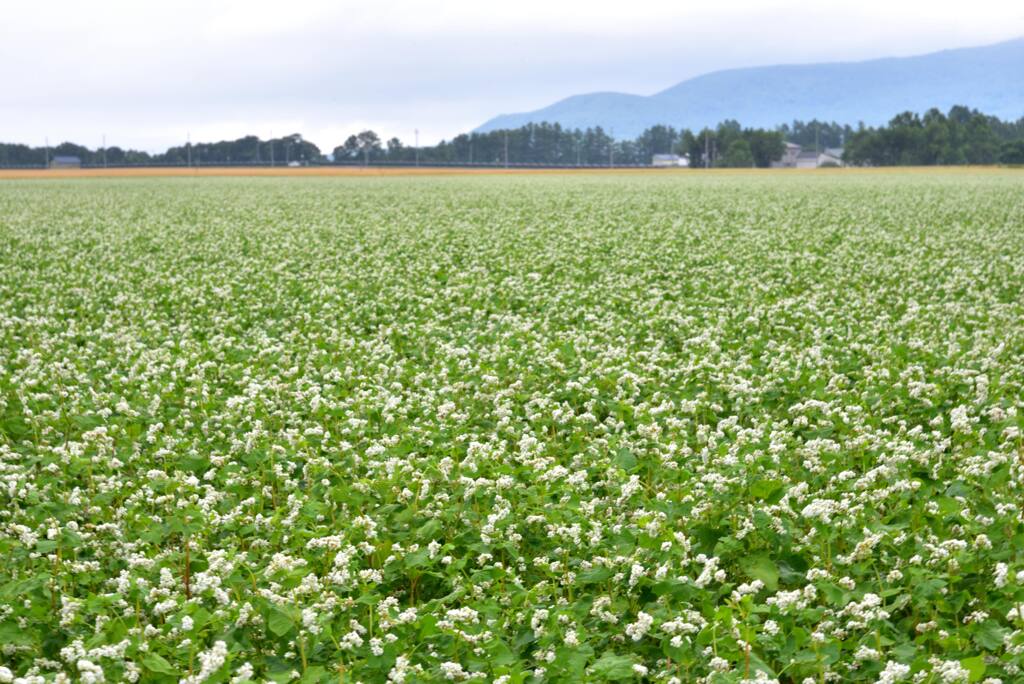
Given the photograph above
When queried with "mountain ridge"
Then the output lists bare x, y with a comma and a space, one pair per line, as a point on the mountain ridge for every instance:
989, 78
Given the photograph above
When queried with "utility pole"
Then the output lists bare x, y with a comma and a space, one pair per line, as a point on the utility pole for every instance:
417, 132
506, 149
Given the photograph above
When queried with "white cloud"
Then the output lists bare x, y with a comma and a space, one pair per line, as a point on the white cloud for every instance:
143, 72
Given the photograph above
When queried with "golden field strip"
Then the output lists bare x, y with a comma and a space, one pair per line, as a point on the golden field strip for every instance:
358, 171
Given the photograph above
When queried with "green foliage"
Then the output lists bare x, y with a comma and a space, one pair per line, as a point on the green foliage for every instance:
560, 428
963, 136
612, 668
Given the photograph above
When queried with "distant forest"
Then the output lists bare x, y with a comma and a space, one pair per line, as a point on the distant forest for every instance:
961, 136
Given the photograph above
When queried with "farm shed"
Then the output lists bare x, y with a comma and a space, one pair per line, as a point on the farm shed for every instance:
667, 160
65, 162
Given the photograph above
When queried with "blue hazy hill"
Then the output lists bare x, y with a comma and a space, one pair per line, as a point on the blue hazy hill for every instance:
989, 78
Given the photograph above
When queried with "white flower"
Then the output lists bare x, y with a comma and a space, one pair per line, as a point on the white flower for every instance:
638, 629
893, 672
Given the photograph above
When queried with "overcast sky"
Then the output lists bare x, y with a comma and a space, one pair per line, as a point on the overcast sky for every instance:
146, 73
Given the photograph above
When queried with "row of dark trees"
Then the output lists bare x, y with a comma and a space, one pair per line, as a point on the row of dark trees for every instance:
546, 144
247, 150
727, 145
963, 136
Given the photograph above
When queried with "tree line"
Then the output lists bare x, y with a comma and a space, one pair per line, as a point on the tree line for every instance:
544, 143
963, 136
247, 150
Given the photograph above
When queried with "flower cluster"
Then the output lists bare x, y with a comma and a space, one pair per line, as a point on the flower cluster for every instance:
513, 429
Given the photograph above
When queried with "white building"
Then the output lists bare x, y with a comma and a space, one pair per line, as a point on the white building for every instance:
788, 159
795, 157
670, 160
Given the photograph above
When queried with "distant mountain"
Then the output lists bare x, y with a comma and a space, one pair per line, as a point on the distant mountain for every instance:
989, 78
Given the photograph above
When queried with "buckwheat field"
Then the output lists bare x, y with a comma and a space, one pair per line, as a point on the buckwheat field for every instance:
567, 428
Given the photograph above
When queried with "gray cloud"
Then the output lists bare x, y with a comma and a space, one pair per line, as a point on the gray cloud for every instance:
145, 74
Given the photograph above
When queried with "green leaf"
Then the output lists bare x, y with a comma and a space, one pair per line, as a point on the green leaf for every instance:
280, 622
574, 660
429, 530
759, 665
500, 654
760, 566
611, 667
11, 633
417, 559
764, 489
989, 635
313, 674
625, 460
593, 575
928, 587
976, 666
157, 663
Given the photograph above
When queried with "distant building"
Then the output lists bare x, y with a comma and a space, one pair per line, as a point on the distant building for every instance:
788, 159
65, 162
807, 159
669, 160
832, 155
795, 157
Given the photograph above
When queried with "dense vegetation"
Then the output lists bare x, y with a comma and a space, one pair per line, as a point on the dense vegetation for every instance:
513, 429
247, 150
965, 136
728, 145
